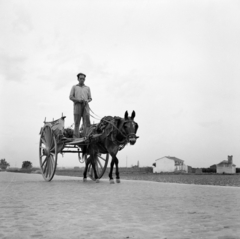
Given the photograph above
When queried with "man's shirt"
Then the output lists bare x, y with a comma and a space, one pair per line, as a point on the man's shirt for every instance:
81, 92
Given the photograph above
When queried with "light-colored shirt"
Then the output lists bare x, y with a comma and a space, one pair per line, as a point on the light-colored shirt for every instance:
81, 92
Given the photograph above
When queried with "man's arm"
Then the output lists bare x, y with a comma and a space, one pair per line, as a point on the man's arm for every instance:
89, 95
72, 97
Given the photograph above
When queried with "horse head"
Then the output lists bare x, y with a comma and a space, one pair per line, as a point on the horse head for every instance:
130, 127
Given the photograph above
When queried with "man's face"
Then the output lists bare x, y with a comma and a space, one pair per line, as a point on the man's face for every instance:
81, 80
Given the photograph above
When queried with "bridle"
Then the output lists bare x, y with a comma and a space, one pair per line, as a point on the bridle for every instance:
132, 134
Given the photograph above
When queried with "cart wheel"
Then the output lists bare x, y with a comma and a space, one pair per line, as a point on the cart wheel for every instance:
48, 153
101, 165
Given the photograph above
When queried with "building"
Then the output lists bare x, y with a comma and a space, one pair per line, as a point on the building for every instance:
169, 164
226, 166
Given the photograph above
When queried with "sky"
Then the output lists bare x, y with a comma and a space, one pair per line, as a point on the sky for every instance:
176, 63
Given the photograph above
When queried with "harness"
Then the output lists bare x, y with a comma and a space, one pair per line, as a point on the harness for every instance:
109, 122
112, 133
114, 130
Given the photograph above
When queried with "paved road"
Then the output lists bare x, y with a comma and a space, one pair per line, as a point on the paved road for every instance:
69, 208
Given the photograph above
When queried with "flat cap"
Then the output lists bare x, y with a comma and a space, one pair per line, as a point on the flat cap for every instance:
81, 74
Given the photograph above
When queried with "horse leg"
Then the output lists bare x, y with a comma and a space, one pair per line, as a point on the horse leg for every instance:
111, 171
86, 168
112, 149
94, 168
117, 172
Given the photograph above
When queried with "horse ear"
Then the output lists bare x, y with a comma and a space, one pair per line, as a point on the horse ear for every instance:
126, 115
133, 115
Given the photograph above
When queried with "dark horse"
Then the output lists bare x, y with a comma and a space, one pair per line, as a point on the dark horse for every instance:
116, 132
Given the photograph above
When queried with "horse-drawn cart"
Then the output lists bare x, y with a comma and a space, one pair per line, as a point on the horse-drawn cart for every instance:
53, 141
101, 140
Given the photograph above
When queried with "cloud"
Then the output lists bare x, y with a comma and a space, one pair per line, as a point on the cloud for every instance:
126, 84
66, 67
210, 124
12, 68
22, 24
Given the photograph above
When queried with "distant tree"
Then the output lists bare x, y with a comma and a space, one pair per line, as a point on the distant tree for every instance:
4, 164
198, 170
209, 170
26, 165
214, 166
193, 170
237, 170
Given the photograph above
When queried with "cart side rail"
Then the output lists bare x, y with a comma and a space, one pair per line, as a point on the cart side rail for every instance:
57, 127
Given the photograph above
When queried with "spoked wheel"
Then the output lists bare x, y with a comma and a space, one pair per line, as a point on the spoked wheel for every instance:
101, 165
48, 153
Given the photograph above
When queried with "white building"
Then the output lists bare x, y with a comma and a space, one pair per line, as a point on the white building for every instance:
226, 166
169, 164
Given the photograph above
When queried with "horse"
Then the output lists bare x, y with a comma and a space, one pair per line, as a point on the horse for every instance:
116, 132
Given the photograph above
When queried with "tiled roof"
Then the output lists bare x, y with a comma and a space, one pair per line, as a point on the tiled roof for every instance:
173, 158
225, 162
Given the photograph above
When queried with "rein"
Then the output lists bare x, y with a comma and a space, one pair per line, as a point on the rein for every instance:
126, 137
125, 140
109, 122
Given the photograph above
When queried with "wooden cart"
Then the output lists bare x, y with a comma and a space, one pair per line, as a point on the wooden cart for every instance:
52, 142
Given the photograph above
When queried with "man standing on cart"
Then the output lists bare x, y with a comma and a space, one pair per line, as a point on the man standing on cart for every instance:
80, 95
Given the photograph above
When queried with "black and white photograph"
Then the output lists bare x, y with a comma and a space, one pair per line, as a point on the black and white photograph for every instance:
120, 119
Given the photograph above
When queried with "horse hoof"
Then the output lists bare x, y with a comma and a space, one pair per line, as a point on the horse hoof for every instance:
84, 180
97, 181
118, 180
112, 181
